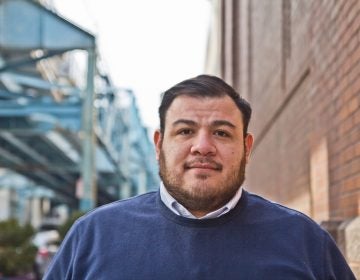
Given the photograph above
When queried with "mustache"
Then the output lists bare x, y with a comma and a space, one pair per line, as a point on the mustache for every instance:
203, 161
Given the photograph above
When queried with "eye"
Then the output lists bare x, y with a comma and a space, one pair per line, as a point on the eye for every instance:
221, 133
185, 131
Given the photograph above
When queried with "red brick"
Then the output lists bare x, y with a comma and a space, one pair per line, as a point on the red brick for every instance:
355, 86
353, 104
324, 106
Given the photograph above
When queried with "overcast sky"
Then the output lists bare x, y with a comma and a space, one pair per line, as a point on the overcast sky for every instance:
147, 45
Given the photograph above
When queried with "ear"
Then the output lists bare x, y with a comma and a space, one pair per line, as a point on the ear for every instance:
249, 141
157, 142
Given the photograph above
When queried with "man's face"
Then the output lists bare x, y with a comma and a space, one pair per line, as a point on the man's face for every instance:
203, 153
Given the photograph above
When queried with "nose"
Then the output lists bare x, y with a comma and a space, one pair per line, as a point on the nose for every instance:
203, 145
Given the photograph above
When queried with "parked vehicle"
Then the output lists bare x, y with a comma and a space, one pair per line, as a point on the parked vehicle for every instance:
47, 241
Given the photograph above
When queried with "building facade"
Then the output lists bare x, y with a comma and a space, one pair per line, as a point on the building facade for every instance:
298, 63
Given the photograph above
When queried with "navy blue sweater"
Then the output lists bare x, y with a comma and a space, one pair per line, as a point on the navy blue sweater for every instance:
140, 238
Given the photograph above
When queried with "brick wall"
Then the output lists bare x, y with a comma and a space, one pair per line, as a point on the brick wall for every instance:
298, 63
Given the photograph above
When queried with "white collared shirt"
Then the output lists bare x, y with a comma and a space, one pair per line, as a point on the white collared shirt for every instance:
180, 210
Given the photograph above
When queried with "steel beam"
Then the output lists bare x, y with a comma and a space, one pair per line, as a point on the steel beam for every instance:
10, 157
51, 168
39, 83
27, 25
28, 61
89, 199
13, 140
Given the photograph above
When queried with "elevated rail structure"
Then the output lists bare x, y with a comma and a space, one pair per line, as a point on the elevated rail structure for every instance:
64, 126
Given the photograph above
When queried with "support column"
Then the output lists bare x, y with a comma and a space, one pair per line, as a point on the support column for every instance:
349, 232
89, 196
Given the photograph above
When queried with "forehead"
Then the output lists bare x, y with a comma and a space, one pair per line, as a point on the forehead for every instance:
203, 109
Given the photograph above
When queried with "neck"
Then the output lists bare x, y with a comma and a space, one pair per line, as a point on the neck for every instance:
198, 213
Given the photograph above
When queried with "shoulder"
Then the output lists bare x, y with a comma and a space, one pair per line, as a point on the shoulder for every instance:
121, 209
264, 210
262, 204
305, 235
142, 200
113, 218
286, 224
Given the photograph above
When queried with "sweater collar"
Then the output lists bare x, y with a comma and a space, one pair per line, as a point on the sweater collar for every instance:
180, 210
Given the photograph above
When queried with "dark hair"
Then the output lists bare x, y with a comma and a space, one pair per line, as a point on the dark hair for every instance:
203, 86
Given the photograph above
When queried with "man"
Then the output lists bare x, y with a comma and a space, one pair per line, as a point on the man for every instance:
201, 224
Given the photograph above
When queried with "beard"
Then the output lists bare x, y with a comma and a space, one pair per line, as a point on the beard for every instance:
201, 196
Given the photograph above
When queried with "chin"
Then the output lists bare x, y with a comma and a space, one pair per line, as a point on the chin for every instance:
203, 185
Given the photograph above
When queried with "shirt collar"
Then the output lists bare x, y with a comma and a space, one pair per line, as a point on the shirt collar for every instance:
180, 210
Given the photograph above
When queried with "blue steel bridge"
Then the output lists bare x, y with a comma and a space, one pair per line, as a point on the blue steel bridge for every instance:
64, 125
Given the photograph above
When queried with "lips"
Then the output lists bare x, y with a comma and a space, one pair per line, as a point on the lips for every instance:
203, 164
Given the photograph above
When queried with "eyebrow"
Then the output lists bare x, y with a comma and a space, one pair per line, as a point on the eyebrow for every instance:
223, 122
184, 121
214, 123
